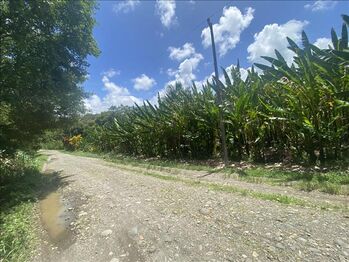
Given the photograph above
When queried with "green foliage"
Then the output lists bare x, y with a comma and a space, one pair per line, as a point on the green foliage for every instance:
178, 124
52, 139
308, 102
290, 113
20, 182
72, 143
44, 46
17, 235
332, 182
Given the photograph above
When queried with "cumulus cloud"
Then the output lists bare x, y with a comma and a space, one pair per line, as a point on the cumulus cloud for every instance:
126, 6
199, 83
111, 73
93, 104
143, 82
273, 36
243, 73
161, 93
167, 12
181, 53
321, 5
323, 42
116, 96
185, 73
228, 30
189, 59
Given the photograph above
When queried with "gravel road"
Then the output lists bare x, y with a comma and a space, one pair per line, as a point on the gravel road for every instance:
115, 214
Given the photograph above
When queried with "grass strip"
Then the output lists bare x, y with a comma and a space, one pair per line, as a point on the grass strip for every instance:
333, 182
20, 187
283, 199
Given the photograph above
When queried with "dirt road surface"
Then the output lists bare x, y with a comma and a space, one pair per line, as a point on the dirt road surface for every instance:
104, 212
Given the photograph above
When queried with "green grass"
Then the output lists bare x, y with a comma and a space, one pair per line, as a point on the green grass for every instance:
332, 182
21, 184
17, 237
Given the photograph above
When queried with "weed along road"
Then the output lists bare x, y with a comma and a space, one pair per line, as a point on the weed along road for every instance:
104, 211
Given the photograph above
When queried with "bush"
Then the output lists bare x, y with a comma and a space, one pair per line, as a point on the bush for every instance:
72, 143
20, 185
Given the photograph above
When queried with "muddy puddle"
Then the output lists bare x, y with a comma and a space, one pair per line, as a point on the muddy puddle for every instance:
56, 217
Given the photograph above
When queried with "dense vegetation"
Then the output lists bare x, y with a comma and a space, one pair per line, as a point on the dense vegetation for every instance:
21, 184
293, 113
44, 46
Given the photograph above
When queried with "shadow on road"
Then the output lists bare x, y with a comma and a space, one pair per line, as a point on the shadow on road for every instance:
28, 184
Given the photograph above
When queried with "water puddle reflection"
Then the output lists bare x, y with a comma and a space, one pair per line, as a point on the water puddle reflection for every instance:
56, 218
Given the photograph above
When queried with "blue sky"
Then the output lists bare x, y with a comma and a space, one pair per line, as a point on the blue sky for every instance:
146, 45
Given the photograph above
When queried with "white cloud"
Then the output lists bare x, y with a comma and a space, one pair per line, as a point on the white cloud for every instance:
125, 6
189, 59
273, 36
162, 92
181, 53
93, 104
143, 82
227, 32
111, 72
321, 5
243, 73
167, 12
116, 96
323, 42
185, 74
171, 72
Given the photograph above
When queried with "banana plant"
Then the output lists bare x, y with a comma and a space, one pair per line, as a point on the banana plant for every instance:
299, 111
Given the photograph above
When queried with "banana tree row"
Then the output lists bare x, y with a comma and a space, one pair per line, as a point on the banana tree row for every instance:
291, 112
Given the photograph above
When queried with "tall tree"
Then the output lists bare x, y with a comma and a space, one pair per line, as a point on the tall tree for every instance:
44, 46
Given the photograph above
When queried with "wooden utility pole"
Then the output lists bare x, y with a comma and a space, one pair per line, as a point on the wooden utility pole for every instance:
220, 99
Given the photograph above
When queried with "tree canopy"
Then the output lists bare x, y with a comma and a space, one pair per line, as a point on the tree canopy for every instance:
44, 48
